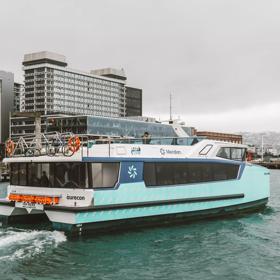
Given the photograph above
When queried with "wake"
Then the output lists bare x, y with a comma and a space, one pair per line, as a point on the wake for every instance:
21, 244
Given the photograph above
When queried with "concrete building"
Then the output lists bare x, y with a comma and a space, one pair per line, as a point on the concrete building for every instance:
53, 88
18, 97
6, 102
227, 137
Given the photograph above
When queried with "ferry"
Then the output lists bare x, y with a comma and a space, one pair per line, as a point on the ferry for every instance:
96, 186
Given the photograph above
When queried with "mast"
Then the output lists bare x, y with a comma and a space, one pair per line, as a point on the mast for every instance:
170, 107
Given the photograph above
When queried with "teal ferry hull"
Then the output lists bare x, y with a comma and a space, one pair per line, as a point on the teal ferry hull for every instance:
136, 205
160, 220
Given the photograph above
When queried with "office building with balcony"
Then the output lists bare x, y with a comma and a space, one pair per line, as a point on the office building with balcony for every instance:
53, 88
18, 97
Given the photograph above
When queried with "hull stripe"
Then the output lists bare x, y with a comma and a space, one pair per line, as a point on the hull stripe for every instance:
145, 204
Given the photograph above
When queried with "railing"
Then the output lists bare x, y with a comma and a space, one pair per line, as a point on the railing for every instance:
57, 144
47, 144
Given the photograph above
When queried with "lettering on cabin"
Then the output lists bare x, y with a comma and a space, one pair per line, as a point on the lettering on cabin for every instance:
75, 197
135, 150
169, 152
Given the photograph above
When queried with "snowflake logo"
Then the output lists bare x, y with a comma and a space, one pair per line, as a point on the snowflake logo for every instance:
132, 171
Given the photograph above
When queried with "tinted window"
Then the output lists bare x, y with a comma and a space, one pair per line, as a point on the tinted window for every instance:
14, 173
160, 174
237, 154
232, 153
57, 175
22, 174
206, 149
40, 174
69, 175
224, 153
103, 175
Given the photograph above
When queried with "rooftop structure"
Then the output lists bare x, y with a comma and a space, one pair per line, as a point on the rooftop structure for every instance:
44, 57
110, 72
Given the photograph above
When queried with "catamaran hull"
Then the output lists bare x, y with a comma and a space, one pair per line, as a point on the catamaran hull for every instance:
158, 220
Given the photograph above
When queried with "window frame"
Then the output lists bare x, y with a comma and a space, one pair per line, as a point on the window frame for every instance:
88, 184
90, 178
212, 165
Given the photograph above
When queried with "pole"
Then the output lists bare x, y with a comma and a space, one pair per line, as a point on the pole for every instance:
170, 107
262, 147
38, 131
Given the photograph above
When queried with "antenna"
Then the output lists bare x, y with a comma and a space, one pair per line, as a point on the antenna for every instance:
170, 106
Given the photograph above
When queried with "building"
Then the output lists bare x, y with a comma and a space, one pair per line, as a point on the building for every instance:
133, 100
6, 102
234, 138
18, 97
53, 88
94, 126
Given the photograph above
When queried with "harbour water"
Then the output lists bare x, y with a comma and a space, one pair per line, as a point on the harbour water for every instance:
245, 247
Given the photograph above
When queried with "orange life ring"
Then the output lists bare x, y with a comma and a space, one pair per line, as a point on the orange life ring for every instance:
74, 143
10, 147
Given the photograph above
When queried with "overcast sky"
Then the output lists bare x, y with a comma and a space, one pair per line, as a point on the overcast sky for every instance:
219, 58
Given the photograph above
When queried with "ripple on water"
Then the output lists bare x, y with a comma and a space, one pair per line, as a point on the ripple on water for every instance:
246, 247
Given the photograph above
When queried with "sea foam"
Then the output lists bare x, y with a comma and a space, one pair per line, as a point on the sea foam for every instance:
19, 244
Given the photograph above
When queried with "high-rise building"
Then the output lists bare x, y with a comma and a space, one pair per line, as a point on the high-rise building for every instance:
18, 97
6, 102
53, 88
133, 101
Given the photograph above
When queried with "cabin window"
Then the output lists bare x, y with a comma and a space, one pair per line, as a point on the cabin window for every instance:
206, 150
224, 153
232, 153
22, 174
103, 175
161, 174
14, 173
57, 175
65, 174
40, 175
69, 175
237, 154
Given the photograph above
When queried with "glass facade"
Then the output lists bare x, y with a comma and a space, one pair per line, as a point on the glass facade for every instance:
128, 128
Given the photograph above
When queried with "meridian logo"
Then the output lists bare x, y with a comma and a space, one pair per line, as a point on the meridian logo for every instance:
169, 152
132, 171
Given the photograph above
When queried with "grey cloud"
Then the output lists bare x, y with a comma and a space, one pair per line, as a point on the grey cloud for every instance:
212, 55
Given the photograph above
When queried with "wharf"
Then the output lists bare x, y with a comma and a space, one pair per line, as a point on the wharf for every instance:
270, 164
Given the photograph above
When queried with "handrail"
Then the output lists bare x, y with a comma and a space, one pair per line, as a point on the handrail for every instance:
55, 143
